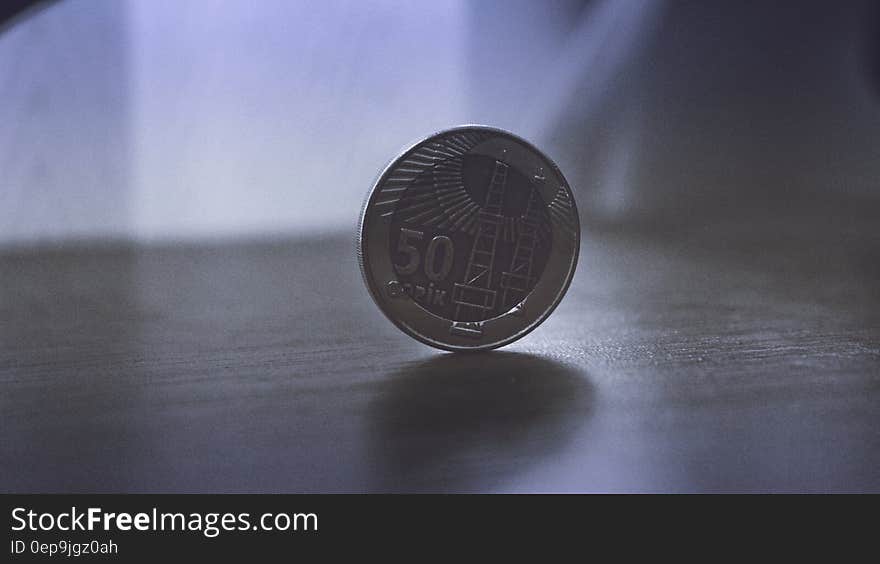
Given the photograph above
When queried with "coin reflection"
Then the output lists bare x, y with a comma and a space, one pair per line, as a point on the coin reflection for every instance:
468, 422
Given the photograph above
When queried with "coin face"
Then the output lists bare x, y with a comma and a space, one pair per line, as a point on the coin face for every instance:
469, 239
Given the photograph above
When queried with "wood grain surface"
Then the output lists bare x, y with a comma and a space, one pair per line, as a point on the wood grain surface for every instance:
719, 358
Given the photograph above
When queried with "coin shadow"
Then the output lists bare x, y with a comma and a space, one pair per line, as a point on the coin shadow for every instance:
466, 422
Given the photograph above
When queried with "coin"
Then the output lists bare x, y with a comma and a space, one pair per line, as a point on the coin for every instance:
469, 239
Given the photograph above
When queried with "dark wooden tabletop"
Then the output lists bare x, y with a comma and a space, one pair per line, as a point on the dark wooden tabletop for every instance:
721, 358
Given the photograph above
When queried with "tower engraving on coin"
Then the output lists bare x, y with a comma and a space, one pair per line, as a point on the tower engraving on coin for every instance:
469, 239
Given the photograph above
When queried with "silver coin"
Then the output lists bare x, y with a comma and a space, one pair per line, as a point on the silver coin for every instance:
469, 239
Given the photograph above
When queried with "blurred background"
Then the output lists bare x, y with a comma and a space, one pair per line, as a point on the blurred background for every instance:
181, 309
159, 120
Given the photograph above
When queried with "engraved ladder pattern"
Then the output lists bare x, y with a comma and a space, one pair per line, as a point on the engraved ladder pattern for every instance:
517, 280
475, 294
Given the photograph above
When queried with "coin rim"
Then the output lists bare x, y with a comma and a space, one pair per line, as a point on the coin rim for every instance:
375, 293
